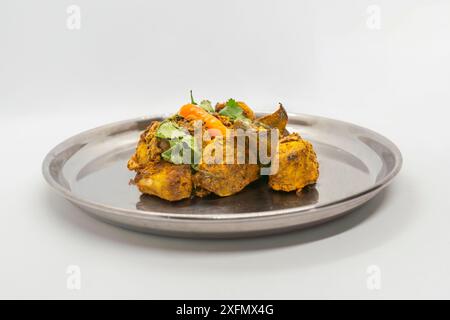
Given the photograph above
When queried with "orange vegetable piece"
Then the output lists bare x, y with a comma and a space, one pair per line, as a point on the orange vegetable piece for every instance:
192, 112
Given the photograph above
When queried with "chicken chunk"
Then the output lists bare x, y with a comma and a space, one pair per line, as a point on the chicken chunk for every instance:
148, 149
298, 166
165, 180
222, 178
155, 176
226, 179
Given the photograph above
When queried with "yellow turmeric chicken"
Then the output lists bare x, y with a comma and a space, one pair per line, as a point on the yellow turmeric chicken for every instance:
298, 166
203, 150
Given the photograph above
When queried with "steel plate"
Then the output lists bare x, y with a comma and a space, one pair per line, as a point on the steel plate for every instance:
89, 169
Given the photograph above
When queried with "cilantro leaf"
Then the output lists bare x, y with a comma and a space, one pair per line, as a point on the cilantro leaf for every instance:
170, 130
183, 151
232, 103
232, 110
173, 155
183, 147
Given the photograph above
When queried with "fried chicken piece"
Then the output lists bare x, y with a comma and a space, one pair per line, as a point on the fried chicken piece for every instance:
226, 179
220, 177
200, 192
298, 166
166, 180
155, 176
148, 148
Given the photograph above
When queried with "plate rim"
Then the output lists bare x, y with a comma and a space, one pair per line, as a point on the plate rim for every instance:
69, 195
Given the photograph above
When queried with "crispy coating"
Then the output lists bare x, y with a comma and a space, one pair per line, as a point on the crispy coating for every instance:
199, 191
225, 179
148, 149
155, 176
165, 180
298, 166
221, 178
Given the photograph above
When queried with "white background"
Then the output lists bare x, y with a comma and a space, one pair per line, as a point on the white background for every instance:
133, 58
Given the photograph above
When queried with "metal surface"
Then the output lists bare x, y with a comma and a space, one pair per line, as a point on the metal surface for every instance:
89, 169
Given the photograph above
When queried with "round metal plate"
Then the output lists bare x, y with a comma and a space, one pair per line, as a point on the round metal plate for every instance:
89, 169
